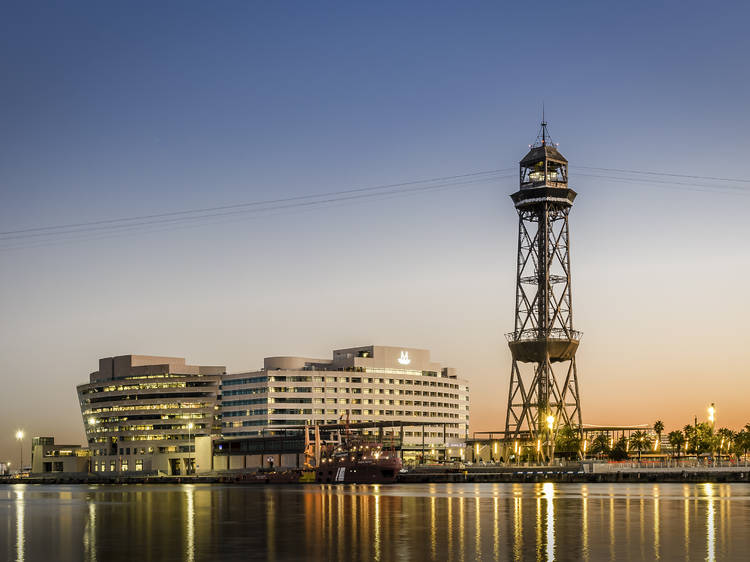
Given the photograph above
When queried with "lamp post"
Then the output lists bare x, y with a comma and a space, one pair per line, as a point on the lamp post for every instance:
190, 429
92, 423
19, 437
550, 427
712, 420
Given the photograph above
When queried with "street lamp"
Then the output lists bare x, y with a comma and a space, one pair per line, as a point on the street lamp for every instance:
19, 437
712, 413
190, 428
550, 427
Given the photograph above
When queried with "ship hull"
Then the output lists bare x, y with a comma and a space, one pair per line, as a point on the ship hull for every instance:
383, 471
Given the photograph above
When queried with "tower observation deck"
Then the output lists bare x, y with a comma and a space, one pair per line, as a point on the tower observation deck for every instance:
543, 394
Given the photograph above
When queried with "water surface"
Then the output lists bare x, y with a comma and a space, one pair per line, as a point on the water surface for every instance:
410, 522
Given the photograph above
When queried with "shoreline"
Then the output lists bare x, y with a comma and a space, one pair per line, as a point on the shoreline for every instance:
437, 475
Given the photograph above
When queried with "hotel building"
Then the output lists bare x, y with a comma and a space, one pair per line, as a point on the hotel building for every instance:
370, 383
143, 413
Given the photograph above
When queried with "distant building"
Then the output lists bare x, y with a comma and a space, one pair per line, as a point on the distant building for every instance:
370, 383
46, 457
143, 413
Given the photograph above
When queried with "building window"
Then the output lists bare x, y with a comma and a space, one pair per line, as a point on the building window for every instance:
112, 466
125, 465
139, 464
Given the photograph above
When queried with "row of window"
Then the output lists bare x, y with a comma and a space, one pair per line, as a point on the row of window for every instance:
375, 401
124, 466
365, 380
343, 390
318, 411
246, 402
161, 406
250, 380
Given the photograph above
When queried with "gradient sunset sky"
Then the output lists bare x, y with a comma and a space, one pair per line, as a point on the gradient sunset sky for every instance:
129, 109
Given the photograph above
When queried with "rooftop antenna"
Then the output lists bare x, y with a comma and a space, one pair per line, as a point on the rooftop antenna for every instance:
544, 127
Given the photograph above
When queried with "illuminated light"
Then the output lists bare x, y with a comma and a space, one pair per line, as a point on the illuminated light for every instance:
585, 445
92, 420
404, 359
711, 413
538, 445
19, 434
550, 421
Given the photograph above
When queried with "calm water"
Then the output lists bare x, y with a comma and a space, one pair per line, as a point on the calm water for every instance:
411, 522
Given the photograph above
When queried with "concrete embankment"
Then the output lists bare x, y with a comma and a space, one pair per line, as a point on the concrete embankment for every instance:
575, 474
435, 474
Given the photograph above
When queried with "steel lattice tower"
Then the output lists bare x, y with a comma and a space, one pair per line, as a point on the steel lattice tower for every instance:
543, 393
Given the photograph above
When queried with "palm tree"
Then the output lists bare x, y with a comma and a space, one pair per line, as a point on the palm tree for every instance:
676, 439
658, 429
726, 437
640, 441
742, 441
619, 452
691, 434
600, 444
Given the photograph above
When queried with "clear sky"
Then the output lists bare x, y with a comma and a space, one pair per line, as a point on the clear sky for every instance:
117, 110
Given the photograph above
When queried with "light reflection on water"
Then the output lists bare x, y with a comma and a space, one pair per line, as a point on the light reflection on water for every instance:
431, 521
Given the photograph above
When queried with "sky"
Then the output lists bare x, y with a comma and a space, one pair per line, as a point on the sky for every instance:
110, 111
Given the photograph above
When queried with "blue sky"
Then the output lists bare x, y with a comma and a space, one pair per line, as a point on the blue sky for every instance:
112, 111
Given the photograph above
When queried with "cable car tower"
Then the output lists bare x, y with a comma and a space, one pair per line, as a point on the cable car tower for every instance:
543, 393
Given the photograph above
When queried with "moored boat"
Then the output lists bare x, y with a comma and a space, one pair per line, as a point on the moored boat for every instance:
359, 465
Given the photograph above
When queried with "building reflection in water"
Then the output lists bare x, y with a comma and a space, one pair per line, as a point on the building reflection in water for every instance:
549, 496
20, 522
89, 533
585, 523
708, 489
542, 521
655, 494
189, 522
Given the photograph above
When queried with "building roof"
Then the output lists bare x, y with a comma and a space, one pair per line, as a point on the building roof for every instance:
541, 152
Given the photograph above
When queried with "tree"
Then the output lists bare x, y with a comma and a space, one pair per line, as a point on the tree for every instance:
741, 443
691, 442
705, 440
640, 441
620, 450
725, 437
568, 441
676, 439
600, 444
658, 429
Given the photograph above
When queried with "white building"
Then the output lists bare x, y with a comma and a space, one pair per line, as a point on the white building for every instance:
143, 413
370, 383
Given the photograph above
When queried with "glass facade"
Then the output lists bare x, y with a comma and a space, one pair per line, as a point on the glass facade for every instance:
134, 410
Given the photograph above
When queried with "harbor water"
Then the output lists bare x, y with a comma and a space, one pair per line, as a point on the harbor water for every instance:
543, 521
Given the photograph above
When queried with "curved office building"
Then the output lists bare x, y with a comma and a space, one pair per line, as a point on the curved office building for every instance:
143, 413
